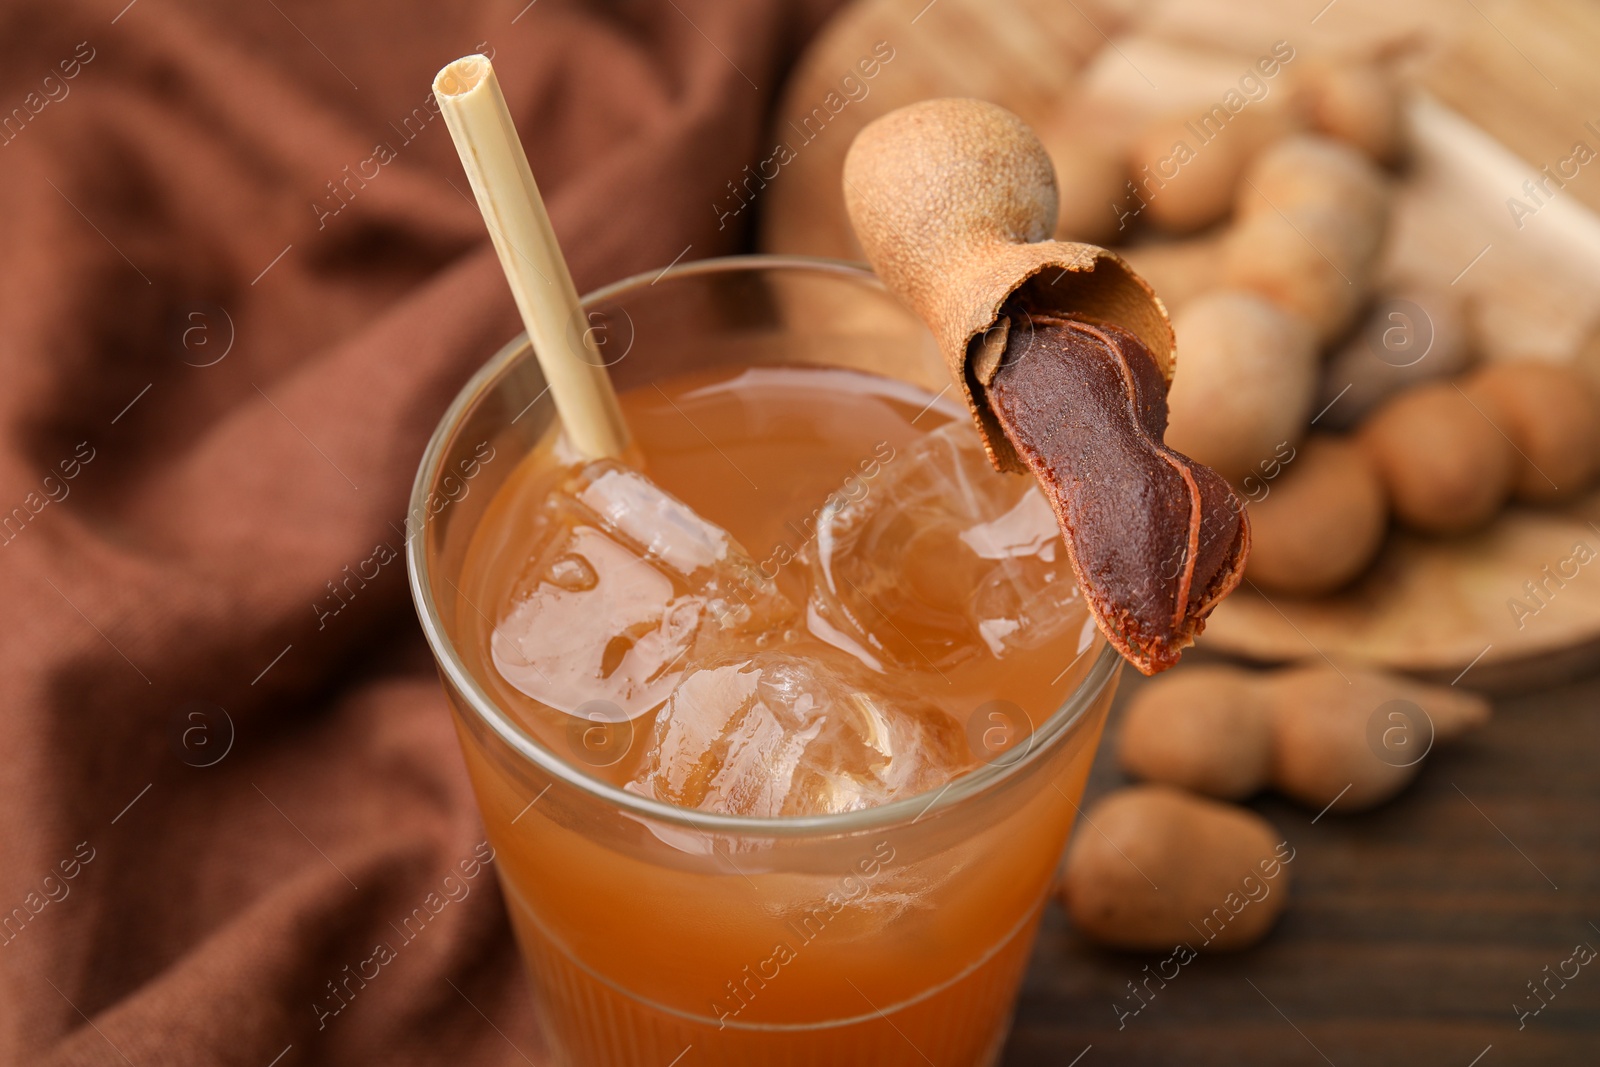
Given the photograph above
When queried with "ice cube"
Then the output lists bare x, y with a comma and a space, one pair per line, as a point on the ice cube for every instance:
804, 730
622, 582
942, 559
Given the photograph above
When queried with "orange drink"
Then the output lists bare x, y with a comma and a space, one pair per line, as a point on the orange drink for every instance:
779, 730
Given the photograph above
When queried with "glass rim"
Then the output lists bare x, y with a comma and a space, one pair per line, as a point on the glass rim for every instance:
913, 808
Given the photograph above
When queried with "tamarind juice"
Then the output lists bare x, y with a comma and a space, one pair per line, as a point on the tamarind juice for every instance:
779, 730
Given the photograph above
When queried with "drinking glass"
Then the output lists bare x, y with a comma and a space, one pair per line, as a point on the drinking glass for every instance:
656, 935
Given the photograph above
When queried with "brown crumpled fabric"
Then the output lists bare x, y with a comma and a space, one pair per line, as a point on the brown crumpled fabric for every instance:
243, 279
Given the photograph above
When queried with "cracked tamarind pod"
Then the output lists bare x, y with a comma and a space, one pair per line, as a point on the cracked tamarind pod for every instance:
1063, 356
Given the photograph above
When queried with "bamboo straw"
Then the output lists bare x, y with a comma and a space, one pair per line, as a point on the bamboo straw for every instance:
475, 111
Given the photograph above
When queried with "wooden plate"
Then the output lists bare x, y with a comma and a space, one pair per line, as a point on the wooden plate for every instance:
1432, 607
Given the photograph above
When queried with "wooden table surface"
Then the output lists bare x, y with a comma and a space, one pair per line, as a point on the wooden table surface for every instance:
1412, 931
